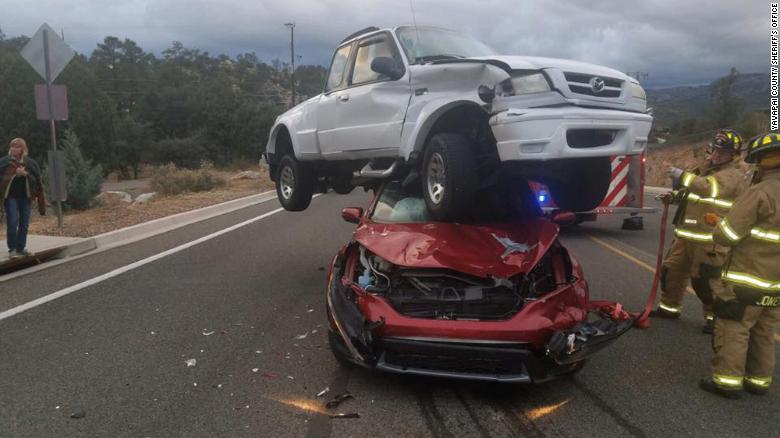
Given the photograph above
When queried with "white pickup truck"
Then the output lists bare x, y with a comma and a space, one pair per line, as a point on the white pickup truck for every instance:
438, 106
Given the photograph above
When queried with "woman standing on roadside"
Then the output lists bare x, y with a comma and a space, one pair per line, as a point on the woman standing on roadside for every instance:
20, 183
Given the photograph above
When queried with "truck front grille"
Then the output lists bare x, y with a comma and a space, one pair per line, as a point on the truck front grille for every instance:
582, 84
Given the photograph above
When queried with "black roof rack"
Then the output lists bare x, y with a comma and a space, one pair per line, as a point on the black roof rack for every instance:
360, 32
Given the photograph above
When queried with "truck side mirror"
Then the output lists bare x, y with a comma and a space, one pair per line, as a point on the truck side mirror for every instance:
352, 214
390, 67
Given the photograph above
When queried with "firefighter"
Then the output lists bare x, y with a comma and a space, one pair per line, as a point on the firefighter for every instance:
693, 255
747, 296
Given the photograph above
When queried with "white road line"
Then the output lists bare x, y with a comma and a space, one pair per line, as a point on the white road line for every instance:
119, 271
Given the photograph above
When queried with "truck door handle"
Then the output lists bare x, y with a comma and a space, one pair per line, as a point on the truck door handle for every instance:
344, 98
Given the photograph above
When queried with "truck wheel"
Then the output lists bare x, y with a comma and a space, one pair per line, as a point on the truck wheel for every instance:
294, 184
341, 184
586, 184
449, 175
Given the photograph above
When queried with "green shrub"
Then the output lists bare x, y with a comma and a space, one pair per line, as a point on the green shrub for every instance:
171, 180
182, 152
83, 180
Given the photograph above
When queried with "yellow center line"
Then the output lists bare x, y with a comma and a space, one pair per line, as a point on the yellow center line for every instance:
629, 257
621, 253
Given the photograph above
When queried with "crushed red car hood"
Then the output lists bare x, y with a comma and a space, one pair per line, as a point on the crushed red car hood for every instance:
501, 250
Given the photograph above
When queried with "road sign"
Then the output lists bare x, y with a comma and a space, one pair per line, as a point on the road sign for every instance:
48, 54
60, 53
59, 102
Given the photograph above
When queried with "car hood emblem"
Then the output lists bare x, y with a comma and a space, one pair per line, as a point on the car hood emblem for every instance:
597, 84
510, 246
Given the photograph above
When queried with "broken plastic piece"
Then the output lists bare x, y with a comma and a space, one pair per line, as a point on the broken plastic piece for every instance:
191, 362
349, 415
79, 414
338, 400
205, 333
324, 391
303, 336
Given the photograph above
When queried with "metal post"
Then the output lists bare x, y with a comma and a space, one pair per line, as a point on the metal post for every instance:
52, 127
292, 59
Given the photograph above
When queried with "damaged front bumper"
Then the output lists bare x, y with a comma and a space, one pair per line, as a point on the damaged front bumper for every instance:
577, 343
568, 132
378, 344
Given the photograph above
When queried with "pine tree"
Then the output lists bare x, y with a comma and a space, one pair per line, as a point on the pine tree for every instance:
83, 179
726, 105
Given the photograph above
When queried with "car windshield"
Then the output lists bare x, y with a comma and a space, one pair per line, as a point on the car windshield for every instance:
422, 44
511, 201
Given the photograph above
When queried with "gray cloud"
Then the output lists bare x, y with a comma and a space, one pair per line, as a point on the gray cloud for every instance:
676, 42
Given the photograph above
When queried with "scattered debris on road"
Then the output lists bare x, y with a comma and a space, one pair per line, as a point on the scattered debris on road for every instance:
254, 370
205, 333
191, 362
78, 414
349, 415
324, 391
338, 400
303, 336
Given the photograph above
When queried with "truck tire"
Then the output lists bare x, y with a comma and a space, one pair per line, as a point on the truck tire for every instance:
341, 184
585, 186
449, 175
294, 184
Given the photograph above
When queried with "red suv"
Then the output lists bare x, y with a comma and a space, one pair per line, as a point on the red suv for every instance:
495, 296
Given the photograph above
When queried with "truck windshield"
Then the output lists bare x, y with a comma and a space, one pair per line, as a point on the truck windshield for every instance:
423, 44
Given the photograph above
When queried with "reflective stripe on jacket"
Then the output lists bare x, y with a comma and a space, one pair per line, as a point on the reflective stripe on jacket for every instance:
711, 192
752, 228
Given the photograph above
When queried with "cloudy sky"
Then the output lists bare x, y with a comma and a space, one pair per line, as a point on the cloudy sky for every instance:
674, 41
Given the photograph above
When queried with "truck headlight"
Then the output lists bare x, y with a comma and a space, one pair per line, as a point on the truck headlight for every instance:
638, 92
525, 83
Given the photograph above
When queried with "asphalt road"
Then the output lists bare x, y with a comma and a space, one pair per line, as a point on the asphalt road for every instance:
246, 309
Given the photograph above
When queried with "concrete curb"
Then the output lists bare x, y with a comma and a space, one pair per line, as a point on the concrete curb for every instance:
144, 230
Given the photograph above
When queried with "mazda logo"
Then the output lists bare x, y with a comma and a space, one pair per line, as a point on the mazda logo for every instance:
597, 84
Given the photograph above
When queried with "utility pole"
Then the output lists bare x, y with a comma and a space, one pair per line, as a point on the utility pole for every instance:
292, 59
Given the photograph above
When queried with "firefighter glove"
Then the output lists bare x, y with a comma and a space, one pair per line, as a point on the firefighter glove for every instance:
711, 219
732, 309
666, 198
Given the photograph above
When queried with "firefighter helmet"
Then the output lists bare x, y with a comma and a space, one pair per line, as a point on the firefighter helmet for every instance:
762, 144
727, 139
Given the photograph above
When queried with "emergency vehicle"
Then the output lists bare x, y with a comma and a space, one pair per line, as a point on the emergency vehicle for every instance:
625, 194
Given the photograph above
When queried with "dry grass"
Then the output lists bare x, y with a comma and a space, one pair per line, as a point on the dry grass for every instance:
104, 219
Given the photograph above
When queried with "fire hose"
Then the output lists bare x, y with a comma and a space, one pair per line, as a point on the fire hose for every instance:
643, 320
615, 311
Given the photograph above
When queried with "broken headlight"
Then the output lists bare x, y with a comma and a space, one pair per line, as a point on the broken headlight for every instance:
637, 91
525, 82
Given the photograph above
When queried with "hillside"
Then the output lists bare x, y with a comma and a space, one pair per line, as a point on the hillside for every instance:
684, 102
